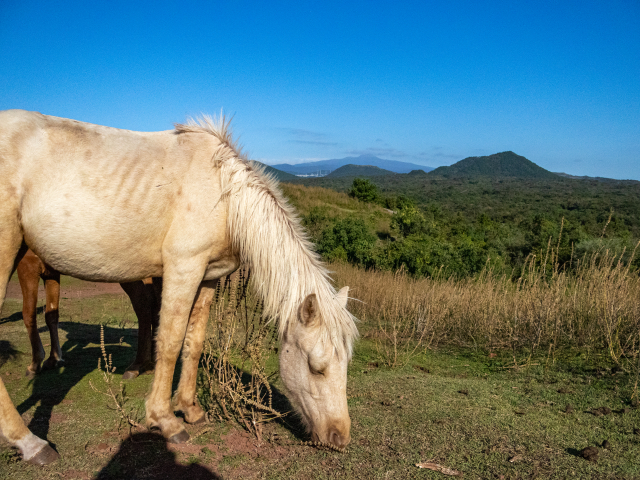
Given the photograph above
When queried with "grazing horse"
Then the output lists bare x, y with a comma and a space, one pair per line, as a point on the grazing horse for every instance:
144, 295
113, 205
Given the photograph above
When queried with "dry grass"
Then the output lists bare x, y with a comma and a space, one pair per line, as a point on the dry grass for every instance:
330, 204
593, 307
306, 198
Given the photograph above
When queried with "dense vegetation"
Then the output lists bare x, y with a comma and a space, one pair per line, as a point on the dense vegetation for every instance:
359, 170
458, 224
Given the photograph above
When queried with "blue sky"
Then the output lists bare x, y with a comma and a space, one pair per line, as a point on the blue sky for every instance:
424, 82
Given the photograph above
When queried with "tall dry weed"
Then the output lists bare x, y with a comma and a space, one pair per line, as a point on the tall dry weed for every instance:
235, 356
594, 305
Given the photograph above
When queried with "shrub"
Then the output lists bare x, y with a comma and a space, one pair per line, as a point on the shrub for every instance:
409, 221
364, 190
350, 240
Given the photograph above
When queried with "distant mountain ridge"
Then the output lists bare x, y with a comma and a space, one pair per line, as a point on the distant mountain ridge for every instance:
359, 171
504, 164
594, 179
312, 167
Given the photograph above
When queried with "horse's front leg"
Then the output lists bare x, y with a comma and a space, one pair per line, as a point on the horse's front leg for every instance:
185, 400
34, 450
180, 284
12, 427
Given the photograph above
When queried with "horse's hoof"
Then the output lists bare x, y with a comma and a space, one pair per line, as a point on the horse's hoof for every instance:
51, 364
130, 375
148, 368
30, 374
44, 457
180, 437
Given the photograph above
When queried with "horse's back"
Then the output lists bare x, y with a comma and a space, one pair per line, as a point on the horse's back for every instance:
92, 192
17, 129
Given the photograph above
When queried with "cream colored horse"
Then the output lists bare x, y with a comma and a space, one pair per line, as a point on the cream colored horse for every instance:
112, 205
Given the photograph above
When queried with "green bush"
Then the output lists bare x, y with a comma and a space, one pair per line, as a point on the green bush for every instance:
364, 190
409, 221
348, 239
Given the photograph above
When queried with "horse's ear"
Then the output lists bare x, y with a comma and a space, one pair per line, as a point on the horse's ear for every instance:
308, 313
343, 296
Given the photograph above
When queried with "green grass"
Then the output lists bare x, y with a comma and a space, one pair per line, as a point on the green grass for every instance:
399, 416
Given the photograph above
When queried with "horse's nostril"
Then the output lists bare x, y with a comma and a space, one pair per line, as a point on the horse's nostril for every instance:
336, 439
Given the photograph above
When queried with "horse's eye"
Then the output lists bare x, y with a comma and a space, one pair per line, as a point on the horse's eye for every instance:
316, 368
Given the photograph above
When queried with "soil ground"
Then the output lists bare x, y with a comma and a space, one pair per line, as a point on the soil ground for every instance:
470, 411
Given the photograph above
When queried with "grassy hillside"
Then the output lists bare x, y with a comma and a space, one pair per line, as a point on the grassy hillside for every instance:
460, 223
320, 208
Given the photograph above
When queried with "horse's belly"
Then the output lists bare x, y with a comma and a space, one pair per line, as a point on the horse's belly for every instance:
80, 235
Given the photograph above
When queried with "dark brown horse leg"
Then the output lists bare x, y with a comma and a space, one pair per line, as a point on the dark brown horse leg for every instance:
147, 308
155, 321
29, 270
51, 316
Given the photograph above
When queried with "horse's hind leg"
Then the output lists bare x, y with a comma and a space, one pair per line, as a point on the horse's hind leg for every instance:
185, 400
51, 316
146, 305
29, 269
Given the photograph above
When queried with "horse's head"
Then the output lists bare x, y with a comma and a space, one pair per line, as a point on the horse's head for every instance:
315, 374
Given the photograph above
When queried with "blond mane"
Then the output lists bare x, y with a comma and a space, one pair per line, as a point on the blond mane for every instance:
266, 233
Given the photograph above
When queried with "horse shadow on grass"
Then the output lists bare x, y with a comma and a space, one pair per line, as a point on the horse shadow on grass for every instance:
7, 352
145, 455
14, 317
80, 352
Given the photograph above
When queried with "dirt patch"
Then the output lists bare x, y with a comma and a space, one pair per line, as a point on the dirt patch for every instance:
238, 441
58, 418
76, 474
186, 448
82, 290
101, 448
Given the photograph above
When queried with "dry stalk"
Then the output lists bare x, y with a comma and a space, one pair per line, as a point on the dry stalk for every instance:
118, 396
235, 356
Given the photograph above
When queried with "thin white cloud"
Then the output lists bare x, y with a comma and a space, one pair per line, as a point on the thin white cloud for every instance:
307, 137
379, 152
